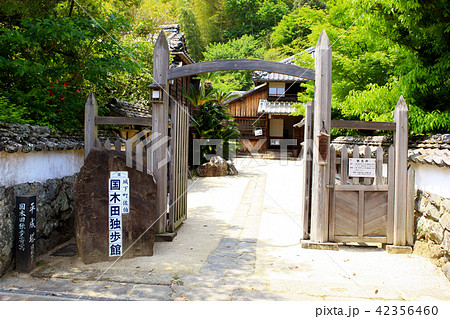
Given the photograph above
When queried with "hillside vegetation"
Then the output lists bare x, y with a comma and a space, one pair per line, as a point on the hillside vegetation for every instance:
54, 52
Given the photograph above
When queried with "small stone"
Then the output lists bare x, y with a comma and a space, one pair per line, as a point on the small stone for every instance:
445, 221
216, 166
446, 242
232, 169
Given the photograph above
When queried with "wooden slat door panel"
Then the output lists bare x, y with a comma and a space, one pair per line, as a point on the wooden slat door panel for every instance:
375, 213
346, 206
360, 207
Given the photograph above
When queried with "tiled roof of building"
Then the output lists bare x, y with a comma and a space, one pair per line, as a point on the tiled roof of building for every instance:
27, 138
269, 107
432, 150
128, 109
246, 93
261, 76
176, 41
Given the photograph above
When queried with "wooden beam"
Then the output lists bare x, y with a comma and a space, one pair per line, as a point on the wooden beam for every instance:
410, 207
242, 64
90, 128
160, 118
322, 119
122, 120
363, 125
401, 178
307, 168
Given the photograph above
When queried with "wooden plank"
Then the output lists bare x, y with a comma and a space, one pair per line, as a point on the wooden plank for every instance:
307, 169
367, 154
379, 166
375, 213
172, 166
361, 213
107, 144
344, 165
401, 178
363, 125
332, 182
118, 145
242, 64
322, 118
391, 194
160, 130
139, 156
129, 152
355, 180
346, 213
123, 120
349, 188
90, 129
356, 239
410, 207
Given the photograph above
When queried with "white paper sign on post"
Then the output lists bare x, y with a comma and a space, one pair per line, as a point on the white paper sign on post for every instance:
361, 167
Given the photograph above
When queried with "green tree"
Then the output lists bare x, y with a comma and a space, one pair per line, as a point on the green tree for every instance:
50, 63
385, 49
245, 47
211, 119
189, 25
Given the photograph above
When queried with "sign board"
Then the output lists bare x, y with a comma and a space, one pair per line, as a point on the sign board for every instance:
258, 132
361, 167
119, 203
25, 233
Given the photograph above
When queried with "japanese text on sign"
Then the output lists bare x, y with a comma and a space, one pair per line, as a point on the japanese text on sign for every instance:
361, 167
119, 203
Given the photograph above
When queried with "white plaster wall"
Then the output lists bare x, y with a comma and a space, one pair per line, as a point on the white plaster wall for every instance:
433, 179
18, 168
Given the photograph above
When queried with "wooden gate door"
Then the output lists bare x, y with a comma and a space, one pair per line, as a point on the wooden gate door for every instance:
178, 165
361, 208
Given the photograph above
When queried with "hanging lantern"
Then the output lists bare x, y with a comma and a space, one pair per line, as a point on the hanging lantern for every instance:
156, 92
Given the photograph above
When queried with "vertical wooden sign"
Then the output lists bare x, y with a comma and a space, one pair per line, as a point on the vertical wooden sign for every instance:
25, 233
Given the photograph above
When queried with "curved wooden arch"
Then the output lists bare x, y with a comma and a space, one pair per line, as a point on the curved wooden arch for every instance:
242, 64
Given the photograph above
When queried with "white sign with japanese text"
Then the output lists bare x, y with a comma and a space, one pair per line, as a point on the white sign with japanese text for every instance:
361, 167
119, 203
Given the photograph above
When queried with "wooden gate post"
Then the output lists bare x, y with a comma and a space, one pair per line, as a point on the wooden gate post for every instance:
160, 117
401, 177
322, 122
90, 128
307, 169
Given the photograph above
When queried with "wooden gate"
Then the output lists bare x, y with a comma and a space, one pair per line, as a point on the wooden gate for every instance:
178, 165
361, 208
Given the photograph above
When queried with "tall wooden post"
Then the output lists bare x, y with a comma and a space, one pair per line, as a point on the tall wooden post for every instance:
90, 129
321, 141
401, 177
307, 168
160, 117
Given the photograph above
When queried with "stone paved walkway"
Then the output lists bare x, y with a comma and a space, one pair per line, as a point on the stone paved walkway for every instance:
240, 242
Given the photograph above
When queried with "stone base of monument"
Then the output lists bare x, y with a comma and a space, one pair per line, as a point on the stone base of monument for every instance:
92, 204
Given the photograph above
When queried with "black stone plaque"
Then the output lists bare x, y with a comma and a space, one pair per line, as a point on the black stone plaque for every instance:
25, 233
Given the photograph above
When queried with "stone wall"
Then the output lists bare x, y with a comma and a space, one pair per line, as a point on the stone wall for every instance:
432, 222
55, 217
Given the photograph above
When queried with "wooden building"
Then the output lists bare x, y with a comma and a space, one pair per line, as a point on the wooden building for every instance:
263, 113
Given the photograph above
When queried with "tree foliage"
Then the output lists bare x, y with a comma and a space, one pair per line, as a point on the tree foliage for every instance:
245, 47
50, 60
